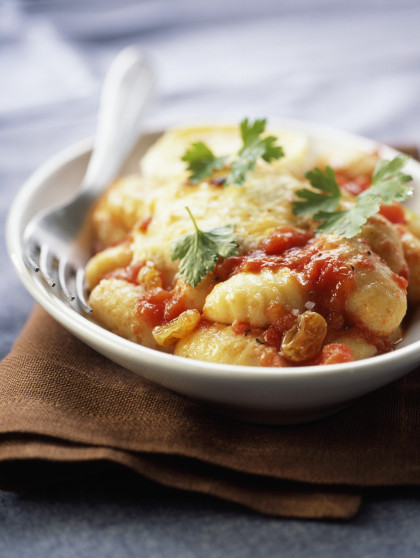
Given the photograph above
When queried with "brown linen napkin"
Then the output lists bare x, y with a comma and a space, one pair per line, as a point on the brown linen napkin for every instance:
62, 405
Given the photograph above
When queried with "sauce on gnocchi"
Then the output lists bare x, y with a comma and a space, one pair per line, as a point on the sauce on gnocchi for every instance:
288, 295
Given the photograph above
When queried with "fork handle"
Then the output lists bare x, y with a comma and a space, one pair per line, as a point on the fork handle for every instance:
127, 92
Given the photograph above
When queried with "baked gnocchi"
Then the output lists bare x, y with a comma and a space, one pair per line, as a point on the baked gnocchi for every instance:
228, 268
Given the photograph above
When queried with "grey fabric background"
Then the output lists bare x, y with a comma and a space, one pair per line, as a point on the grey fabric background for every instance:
353, 65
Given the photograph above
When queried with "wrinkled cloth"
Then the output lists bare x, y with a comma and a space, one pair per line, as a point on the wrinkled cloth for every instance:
62, 402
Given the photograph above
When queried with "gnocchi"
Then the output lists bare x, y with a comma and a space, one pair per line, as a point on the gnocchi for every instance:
256, 298
287, 296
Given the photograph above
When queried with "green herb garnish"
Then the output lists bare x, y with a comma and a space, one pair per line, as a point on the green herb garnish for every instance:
200, 250
202, 162
389, 184
326, 199
253, 147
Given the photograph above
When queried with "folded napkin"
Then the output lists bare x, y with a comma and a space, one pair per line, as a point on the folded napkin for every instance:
63, 405
62, 402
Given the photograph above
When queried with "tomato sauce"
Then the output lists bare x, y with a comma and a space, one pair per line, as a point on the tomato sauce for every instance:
402, 280
352, 185
332, 281
240, 328
328, 278
284, 238
228, 267
158, 306
335, 353
143, 225
394, 212
273, 335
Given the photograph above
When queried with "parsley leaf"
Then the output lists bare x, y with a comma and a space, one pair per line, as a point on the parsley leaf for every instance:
199, 251
202, 161
253, 147
389, 184
348, 222
314, 202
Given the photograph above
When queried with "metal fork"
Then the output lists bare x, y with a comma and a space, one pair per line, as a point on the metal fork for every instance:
55, 241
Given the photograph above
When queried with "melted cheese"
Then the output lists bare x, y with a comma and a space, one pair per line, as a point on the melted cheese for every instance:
256, 209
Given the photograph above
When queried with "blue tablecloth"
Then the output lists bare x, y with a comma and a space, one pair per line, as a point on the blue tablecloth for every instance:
353, 65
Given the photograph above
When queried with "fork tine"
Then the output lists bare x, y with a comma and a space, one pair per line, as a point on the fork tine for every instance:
45, 264
30, 257
80, 290
64, 270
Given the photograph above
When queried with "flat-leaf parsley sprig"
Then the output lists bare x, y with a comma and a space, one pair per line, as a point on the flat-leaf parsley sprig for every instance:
389, 184
199, 251
253, 147
202, 162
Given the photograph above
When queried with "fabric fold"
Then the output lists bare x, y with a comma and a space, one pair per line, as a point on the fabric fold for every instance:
62, 403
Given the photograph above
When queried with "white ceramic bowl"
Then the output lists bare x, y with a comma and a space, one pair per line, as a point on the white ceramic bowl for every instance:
264, 395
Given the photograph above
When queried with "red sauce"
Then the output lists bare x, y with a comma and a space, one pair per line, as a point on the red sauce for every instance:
143, 225
158, 306
335, 353
227, 267
352, 185
283, 238
402, 280
240, 328
394, 213
273, 335
329, 278
174, 307
258, 260
267, 256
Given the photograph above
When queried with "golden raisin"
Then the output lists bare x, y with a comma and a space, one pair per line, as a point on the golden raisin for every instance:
304, 339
